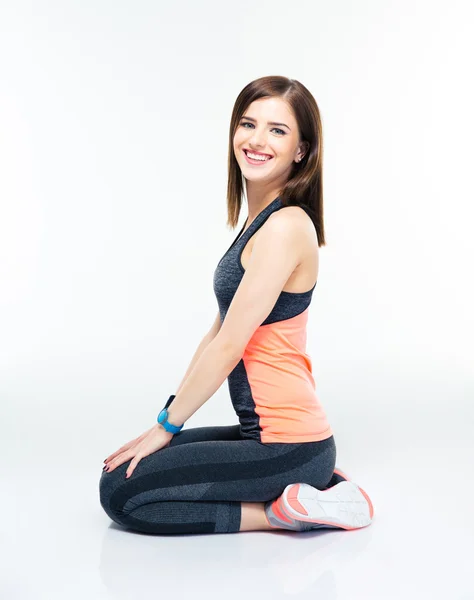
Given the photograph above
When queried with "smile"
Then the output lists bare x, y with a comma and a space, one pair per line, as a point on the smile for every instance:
256, 159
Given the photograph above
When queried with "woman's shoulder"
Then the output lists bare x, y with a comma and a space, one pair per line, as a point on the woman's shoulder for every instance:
294, 220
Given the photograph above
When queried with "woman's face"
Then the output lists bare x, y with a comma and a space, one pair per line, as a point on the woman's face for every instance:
269, 129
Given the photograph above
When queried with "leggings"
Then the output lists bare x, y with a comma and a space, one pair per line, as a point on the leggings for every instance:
196, 484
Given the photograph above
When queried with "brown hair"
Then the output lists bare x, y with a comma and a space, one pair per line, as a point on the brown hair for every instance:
304, 186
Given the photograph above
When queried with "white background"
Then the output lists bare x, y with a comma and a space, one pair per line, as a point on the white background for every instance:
114, 121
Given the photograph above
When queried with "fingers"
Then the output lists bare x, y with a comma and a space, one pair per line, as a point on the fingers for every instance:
119, 451
133, 464
127, 446
119, 460
137, 449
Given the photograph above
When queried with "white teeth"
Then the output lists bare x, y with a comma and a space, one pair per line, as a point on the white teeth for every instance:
257, 156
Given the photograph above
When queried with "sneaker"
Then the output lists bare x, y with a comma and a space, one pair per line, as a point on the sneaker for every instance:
342, 506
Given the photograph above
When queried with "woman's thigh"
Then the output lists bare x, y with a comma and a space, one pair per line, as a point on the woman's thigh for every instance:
217, 470
209, 433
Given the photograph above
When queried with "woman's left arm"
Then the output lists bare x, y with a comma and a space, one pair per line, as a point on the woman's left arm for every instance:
275, 255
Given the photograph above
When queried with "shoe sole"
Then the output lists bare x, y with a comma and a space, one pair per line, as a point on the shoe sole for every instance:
345, 505
363, 492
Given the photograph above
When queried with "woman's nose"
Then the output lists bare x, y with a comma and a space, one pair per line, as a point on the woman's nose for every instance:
258, 139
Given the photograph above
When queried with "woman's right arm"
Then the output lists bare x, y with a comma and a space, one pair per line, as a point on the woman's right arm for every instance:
210, 335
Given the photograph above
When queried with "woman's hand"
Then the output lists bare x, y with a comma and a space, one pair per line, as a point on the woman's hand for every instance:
152, 440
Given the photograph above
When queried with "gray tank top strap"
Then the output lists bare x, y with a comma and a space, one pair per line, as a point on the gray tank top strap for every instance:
258, 221
242, 238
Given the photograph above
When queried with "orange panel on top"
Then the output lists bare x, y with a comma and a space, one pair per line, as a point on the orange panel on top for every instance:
283, 388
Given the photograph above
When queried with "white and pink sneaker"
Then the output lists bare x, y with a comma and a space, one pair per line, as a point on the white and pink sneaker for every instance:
302, 507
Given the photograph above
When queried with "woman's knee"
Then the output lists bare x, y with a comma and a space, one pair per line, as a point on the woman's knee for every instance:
108, 483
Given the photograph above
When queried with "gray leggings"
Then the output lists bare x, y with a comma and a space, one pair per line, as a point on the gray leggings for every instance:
197, 483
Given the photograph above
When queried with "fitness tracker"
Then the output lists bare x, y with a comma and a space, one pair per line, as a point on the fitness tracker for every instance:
163, 418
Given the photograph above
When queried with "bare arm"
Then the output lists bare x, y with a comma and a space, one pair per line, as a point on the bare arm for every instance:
210, 335
275, 254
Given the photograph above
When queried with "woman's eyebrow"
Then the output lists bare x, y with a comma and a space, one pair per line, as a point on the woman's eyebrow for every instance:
268, 122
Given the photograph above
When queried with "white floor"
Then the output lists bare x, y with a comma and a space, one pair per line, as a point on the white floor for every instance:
415, 461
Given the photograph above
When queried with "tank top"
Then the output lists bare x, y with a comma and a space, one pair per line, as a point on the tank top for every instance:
272, 388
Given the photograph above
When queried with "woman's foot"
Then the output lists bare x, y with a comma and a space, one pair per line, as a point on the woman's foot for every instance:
302, 507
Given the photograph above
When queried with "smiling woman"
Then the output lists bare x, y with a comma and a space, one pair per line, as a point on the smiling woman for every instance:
276, 469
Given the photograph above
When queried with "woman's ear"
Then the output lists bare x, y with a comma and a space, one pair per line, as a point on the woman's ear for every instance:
302, 151
304, 148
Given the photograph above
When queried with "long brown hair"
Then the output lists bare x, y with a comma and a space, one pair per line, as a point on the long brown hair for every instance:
305, 183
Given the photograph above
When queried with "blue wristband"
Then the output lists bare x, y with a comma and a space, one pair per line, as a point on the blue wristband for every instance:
163, 418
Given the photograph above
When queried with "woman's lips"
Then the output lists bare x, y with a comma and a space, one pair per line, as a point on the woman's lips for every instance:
256, 162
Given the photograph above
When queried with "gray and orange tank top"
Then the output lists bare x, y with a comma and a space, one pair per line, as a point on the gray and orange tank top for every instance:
272, 388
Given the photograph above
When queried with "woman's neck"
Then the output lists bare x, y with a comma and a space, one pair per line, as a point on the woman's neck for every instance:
257, 200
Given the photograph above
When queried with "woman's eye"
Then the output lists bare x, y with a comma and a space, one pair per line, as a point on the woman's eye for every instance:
274, 128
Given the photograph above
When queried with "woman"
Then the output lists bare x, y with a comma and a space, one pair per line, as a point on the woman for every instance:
275, 470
